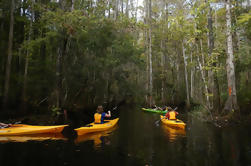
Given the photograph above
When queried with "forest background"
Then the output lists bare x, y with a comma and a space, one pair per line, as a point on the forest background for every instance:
77, 54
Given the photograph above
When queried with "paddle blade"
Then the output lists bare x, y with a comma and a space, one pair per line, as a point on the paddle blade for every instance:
157, 123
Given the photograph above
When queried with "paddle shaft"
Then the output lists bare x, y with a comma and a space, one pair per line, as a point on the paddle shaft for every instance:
114, 108
157, 122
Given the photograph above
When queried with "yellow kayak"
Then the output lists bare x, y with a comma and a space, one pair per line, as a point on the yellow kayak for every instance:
173, 123
22, 129
92, 127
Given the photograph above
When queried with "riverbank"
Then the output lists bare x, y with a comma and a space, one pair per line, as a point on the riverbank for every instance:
219, 120
75, 118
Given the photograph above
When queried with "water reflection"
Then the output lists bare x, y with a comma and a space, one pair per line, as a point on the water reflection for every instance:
138, 141
99, 138
37, 137
173, 133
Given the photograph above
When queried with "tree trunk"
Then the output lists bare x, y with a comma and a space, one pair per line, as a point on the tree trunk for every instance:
127, 8
72, 5
136, 11
202, 76
146, 47
210, 50
202, 53
215, 19
178, 73
24, 99
61, 54
163, 68
8, 64
231, 103
186, 79
192, 75
122, 6
216, 97
116, 12
109, 9
150, 51
2, 60
163, 47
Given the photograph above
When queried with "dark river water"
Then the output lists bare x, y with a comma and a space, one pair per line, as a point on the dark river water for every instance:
136, 140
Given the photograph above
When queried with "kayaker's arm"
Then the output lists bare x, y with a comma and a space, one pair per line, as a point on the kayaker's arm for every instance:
167, 115
4, 125
108, 115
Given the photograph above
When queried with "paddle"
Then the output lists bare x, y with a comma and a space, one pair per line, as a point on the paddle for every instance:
157, 122
113, 110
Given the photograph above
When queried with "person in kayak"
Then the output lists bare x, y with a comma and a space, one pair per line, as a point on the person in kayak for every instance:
101, 115
171, 115
155, 107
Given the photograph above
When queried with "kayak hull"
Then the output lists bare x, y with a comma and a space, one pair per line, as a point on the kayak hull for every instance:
173, 123
154, 111
21, 129
92, 127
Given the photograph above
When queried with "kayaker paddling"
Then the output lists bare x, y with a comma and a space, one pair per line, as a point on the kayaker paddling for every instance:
171, 115
101, 115
170, 119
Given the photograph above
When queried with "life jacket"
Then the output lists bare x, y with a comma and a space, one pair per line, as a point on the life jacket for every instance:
172, 115
97, 118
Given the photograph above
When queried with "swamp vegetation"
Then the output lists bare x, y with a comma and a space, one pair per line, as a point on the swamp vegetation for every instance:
77, 54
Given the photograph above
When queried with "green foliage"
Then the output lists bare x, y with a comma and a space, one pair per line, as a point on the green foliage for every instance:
244, 20
105, 56
55, 111
100, 55
199, 112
